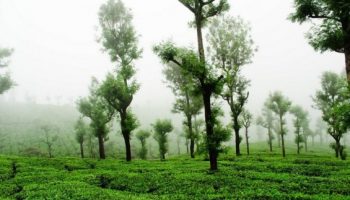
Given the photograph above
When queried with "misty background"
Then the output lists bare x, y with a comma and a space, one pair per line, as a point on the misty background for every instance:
56, 54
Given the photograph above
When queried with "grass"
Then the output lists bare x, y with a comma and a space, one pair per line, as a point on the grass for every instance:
260, 176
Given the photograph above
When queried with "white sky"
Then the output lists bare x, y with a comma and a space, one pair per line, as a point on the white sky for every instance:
56, 52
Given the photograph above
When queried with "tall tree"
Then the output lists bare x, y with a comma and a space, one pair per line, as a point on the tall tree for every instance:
300, 117
5, 80
321, 127
187, 101
328, 100
49, 139
246, 121
161, 130
203, 11
100, 113
266, 121
120, 40
280, 105
81, 132
142, 136
231, 47
333, 32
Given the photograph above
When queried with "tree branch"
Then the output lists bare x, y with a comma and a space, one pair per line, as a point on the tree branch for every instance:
188, 6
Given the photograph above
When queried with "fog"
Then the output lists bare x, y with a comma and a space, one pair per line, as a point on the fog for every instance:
56, 52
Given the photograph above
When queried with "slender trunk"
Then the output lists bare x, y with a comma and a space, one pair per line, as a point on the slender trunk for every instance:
101, 147
337, 148
81, 150
282, 137
210, 130
187, 150
347, 62
298, 142
200, 39
178, 147
279, 140
127, 146
246, 139
305, 142
190, 130
270, 139
237, 138
126, 134
313, 140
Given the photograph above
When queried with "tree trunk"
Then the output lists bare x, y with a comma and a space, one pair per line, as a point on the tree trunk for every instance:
126, 134
298, 143
190, 130
246, 139
347, 62
282, 137
337, 148
279, 140
200, 39
210, 130
270, 138
237, 138
305, 142
127, 146
101, 147
81, 150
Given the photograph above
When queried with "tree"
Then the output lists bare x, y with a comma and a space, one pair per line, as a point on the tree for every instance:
142, 135
280, 105
206, 80
161, 130
100, 113
48, 139
202, 11
246, 121
307, 132
119, 39
5, 80
300, 117
321, 126
333, 32
329, 99
266, 121
187, 102
81, 132
231, 47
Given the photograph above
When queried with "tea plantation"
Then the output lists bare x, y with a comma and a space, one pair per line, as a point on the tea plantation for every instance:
259, 176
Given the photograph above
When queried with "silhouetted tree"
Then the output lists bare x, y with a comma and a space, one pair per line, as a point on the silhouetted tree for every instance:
300, 117
246, 121
266, 121
49, 139
81, 132
280, 105
161, 130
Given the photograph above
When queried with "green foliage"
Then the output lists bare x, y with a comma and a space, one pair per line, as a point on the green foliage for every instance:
305, 177
142, 135
161, 129
5, 80
97, 109
81, 130
118, 35
333, 33
246, 118
300, 122
204, 10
